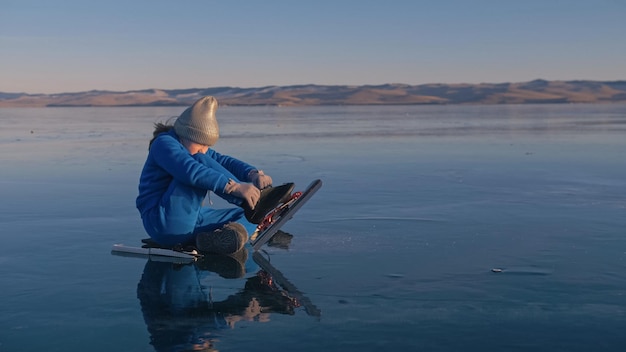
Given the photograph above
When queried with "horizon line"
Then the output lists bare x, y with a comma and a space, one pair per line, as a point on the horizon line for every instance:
309, 84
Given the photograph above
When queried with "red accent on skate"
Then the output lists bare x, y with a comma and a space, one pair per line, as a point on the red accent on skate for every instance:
269, 218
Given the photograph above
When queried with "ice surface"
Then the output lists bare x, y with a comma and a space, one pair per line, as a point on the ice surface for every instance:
419, 204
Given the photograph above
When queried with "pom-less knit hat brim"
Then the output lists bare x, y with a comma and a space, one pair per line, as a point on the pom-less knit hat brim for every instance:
198, 123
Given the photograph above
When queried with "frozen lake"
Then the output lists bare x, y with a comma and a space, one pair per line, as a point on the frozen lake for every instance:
397, 250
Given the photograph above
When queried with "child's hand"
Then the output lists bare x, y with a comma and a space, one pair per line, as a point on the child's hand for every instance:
260, 179
247, 191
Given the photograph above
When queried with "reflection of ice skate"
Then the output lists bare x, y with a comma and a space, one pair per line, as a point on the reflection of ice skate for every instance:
291, 289
280, 240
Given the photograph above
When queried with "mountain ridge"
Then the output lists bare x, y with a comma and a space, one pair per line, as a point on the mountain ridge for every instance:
538, 91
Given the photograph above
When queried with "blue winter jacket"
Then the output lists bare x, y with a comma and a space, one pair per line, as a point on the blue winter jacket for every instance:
168, 159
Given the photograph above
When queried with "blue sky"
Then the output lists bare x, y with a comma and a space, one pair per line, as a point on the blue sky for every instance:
69, 46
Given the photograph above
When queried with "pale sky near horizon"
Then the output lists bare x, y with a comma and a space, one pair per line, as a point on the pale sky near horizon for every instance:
71, 45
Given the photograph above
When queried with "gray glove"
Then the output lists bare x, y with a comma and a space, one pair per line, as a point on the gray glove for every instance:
260, 179
246, 191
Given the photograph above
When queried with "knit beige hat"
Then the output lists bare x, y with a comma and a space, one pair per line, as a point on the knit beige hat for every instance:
198, 124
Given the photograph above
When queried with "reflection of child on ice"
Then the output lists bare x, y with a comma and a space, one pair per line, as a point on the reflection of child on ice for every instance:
180, 170
185, 306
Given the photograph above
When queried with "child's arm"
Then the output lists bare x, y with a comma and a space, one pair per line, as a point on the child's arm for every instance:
238, 168
172, 156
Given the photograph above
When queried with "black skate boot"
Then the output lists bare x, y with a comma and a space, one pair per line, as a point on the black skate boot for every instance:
271, 197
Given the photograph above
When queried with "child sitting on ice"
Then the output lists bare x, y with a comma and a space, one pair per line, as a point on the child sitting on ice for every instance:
181, 168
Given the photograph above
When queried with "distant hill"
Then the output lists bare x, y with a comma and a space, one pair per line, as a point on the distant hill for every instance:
533, 92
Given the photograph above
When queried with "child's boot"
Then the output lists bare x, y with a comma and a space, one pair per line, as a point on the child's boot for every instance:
227, 240
271, 197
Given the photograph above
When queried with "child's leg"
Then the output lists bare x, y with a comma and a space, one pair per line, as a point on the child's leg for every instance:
174, 220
